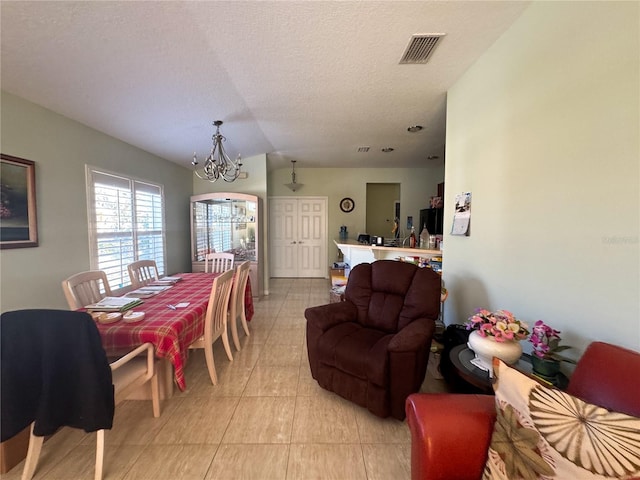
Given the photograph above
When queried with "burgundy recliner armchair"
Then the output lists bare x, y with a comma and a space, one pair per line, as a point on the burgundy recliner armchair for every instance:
373, 347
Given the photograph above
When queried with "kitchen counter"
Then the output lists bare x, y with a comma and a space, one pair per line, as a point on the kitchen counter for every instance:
355, 253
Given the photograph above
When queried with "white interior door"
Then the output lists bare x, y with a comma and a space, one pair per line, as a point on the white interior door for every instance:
298, 236
312, 237
283, 233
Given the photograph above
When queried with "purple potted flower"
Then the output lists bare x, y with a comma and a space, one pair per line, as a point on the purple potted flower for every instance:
546, 356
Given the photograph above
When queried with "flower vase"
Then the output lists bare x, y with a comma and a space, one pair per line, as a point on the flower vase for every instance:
485, 348
545, 368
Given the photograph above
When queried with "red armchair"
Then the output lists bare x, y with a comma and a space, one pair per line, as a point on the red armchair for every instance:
450, 433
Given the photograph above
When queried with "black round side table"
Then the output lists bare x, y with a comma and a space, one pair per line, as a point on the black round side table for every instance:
461, 357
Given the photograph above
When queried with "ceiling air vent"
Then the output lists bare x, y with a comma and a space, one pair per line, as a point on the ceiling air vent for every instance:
363, 149
420, 48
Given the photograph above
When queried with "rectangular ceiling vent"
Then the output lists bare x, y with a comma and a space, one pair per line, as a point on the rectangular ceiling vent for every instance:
363, 149
420, 48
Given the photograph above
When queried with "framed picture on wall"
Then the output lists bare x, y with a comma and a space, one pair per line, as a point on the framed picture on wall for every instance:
18, 226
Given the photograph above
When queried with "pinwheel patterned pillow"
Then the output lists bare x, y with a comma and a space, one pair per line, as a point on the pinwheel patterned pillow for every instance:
544, 433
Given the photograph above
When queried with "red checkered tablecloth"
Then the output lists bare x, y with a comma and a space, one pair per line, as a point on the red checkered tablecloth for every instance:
170, 331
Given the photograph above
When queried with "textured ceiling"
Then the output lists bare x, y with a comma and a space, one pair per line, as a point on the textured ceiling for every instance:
299, 80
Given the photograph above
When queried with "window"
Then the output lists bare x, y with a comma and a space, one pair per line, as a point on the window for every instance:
126, 224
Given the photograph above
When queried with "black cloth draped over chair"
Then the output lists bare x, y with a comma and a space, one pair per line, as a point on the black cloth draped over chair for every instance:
54, 371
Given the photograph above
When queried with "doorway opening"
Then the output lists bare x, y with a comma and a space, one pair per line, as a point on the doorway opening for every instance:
383, 209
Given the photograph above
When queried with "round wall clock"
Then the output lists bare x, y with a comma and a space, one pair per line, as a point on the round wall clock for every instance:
346, 205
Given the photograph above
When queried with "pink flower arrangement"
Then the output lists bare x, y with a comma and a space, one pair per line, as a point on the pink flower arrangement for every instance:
546, 342
502, 325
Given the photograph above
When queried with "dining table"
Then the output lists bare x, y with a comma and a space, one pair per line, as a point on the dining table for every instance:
173, 319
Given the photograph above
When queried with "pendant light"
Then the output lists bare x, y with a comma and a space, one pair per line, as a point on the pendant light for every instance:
293, 186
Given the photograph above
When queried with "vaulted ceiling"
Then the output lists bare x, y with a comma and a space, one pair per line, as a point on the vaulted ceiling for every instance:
312, 81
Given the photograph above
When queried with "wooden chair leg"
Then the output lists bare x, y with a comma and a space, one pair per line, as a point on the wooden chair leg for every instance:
208, 355
227, 347
234, 332
155, 395
99, 454
33, 454
243, 317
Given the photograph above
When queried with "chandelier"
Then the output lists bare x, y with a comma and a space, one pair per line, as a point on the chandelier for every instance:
217, 164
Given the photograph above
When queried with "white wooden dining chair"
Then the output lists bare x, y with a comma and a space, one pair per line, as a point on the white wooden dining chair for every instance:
218, 262
236, 305
142, 272
215, 325
85, 288
74, 389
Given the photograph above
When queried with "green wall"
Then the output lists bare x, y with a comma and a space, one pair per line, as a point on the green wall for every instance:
31, 277
543, 130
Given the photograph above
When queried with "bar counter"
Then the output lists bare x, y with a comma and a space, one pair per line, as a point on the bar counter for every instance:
355, 253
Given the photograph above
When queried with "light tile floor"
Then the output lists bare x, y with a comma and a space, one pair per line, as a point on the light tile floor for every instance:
266, 419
